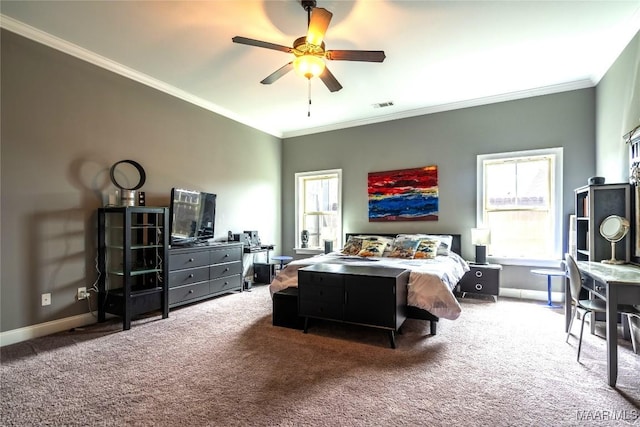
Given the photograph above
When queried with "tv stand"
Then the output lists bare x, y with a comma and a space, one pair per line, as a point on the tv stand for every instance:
197, 273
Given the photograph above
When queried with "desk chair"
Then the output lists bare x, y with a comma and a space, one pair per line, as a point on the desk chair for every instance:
590, 306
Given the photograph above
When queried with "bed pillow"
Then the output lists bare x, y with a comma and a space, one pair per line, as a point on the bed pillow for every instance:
404, 246
387, 240
445, 243
372, 248
427, 248
353, 246
446, 240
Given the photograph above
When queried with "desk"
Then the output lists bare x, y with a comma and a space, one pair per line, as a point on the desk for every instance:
550, 273
621, 285
259, 249
252, 269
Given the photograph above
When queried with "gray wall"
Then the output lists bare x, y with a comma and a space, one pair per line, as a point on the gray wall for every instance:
617, 113
451, 140
64, 123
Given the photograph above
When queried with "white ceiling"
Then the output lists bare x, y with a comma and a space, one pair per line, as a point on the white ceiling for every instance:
441, 55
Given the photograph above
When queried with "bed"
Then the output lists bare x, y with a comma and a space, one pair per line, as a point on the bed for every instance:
431, 281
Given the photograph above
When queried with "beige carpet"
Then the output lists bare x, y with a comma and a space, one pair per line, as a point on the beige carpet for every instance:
222, 363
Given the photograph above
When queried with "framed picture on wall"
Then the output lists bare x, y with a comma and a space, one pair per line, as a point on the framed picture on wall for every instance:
404, 195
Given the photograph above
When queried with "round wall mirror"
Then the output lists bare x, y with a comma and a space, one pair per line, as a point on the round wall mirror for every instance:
614, 228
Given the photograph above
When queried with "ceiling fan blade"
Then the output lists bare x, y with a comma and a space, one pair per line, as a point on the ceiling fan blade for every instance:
277, 74
320, 19
260, 43
356, 55
330, 81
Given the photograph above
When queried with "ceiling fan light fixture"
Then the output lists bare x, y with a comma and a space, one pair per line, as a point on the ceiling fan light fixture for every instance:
309, 51
308, 66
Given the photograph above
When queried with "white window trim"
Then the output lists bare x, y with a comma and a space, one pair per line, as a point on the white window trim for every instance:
298, 214
556, 183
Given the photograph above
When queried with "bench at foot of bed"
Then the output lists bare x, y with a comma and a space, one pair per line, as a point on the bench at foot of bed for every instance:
285, 309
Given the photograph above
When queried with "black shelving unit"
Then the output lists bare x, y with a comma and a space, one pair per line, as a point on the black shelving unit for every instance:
593, 203
133, 244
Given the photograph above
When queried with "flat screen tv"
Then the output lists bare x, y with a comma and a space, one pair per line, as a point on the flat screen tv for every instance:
193, 215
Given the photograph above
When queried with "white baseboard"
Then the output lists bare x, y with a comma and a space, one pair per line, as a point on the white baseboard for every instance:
47, 328
557, 297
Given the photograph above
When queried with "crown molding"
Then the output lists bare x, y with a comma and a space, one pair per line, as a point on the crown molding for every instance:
64, 46
510, 96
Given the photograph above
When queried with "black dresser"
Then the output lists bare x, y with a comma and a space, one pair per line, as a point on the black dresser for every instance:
201, 272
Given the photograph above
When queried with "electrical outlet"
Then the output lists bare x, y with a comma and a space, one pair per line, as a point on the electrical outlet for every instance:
82, 293
46, 299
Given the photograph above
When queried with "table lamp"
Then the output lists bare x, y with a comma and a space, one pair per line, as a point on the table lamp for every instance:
481, 237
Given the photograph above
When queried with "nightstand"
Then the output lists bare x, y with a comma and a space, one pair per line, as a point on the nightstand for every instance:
483, 279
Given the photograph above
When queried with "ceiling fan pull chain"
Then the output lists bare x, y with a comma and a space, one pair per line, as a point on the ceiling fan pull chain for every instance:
309, 92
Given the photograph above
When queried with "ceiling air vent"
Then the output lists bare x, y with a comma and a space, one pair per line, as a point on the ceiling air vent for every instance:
383, 104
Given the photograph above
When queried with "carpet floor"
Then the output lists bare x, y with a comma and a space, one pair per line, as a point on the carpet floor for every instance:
222, 363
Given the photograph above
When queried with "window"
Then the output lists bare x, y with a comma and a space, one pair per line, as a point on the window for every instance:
319, 207
520, 201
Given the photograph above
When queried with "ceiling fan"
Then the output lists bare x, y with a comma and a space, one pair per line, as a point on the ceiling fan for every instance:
309, 50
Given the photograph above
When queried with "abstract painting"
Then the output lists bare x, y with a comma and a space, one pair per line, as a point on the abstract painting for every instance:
404, 195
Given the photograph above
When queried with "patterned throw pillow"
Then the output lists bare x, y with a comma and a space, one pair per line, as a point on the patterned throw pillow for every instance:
372, 248
387, 240
446, 240
427, 248
404, 246
353, 246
